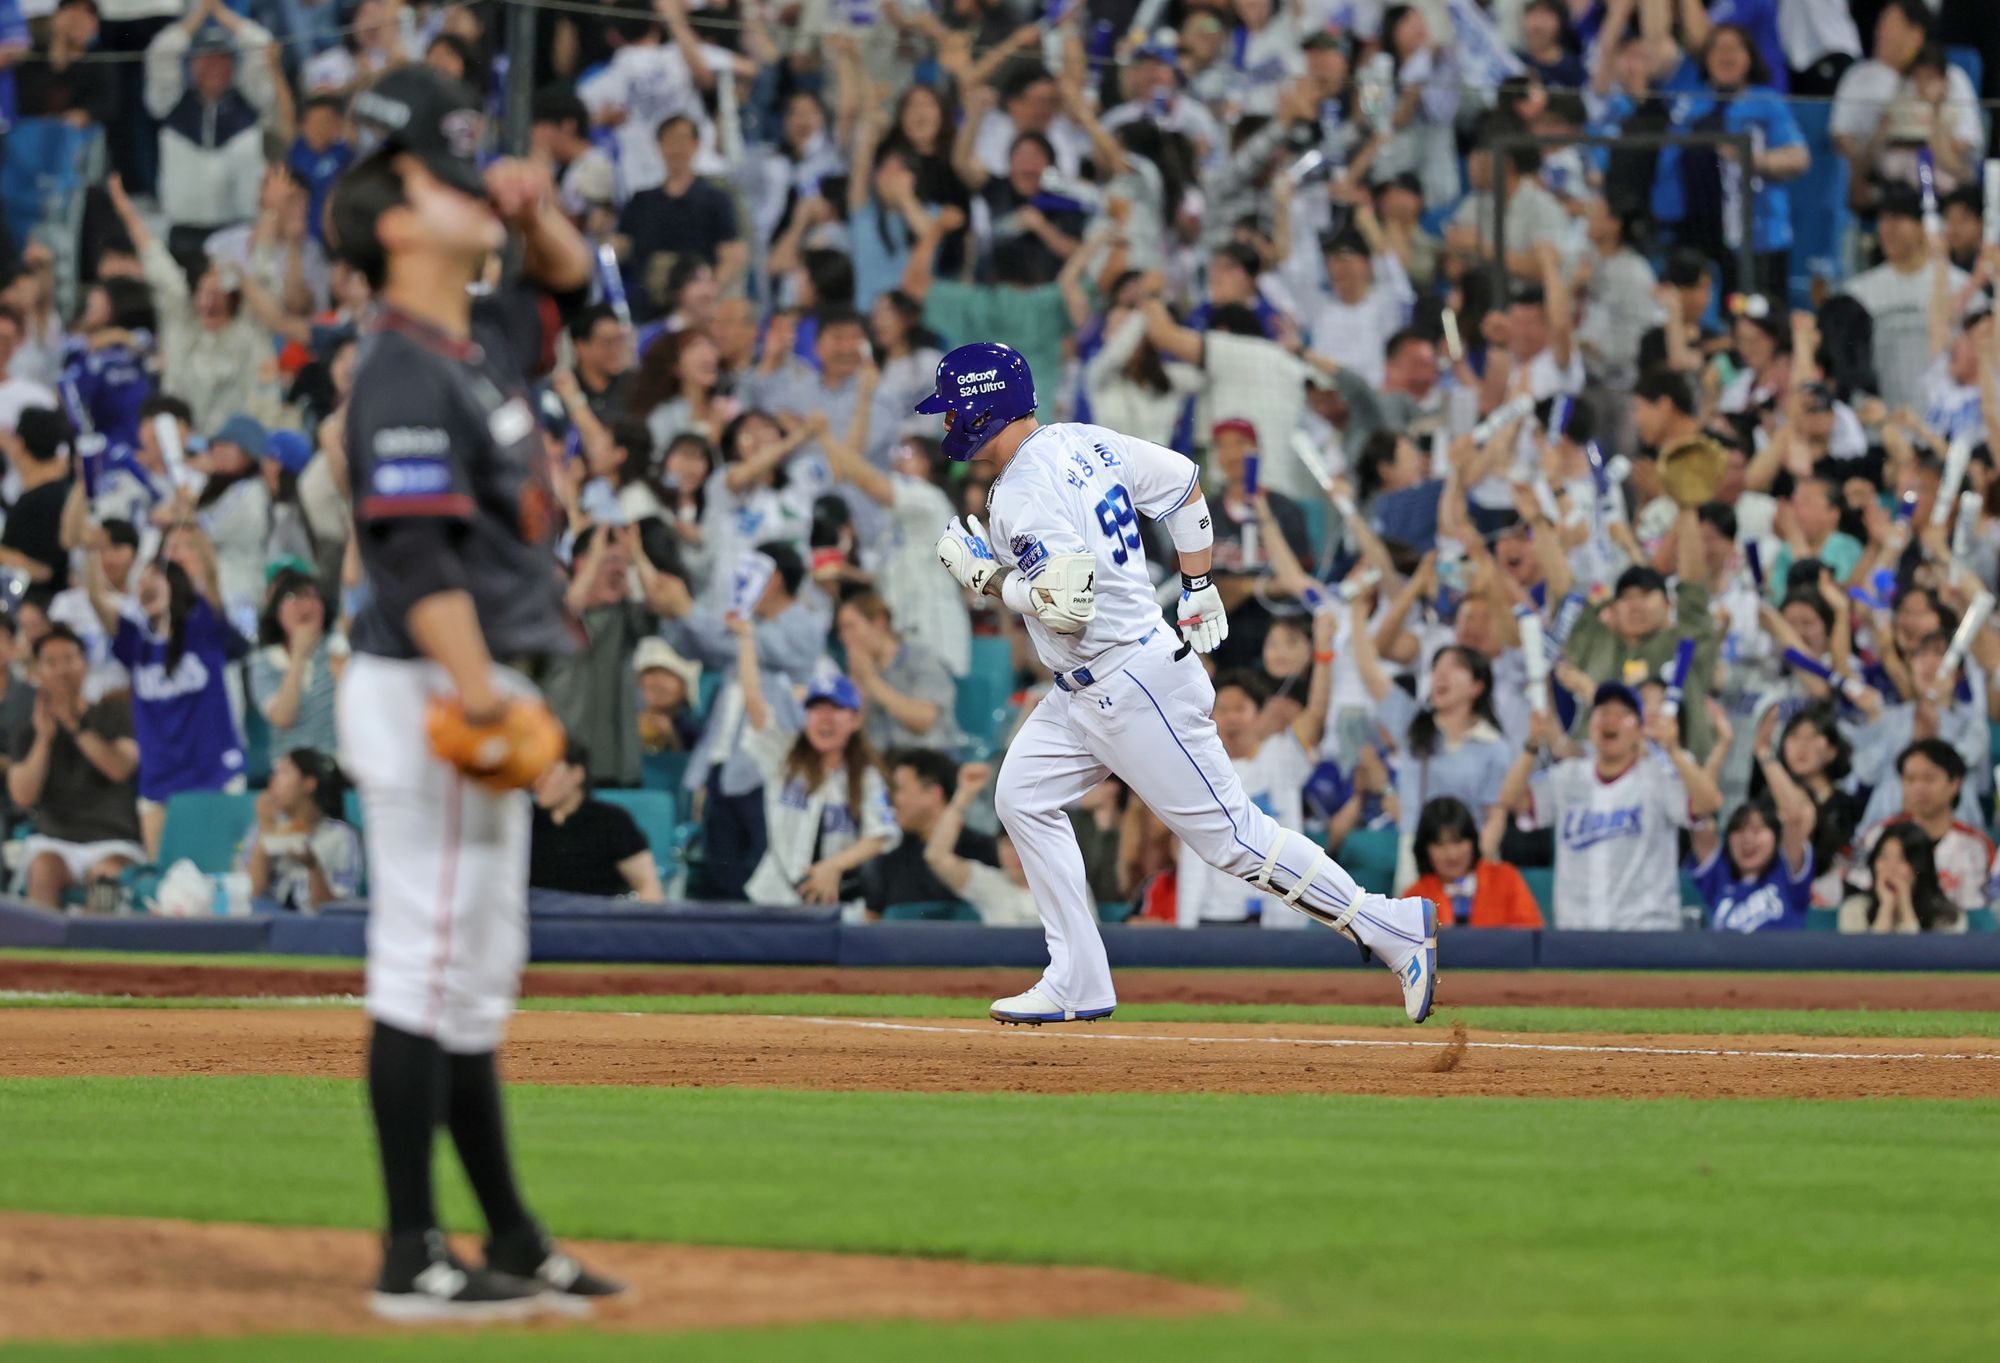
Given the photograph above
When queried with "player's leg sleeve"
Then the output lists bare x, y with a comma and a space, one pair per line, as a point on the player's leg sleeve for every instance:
1158, 738
1046, 770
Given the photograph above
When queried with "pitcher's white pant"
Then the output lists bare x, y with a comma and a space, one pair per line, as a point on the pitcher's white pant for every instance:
1147, 724
447, 864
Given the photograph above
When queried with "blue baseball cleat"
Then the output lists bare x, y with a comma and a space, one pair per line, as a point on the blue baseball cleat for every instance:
1034, 1008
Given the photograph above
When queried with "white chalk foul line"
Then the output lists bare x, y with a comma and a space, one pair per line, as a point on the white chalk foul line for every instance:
1092, 1034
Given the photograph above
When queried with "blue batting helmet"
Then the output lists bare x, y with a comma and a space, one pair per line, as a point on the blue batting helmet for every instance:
982, 387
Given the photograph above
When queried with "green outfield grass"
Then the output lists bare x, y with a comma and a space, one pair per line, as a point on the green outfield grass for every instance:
1361, 1228
1630, 1021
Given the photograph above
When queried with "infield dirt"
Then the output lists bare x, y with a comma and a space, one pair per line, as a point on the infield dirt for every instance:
955, 1055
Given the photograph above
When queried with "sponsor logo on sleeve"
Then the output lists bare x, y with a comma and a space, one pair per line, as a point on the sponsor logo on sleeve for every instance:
410, 442
410, 477
1029, 553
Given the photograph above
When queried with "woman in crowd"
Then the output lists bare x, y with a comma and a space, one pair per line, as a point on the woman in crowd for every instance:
685, 471
1757, 874
1470, 891
678, 388
1696, 189
1389, 462
885, 218
1424, 103
1452, 746
292, 673
794, 169
234, 509
177, 651
1763, 337
1904, 894
906, 354
299, 854
826, 805
753, 497
1817, 756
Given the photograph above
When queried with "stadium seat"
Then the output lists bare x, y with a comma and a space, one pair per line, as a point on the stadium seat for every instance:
933, 911
654, 812
1981, 920
981, 710
1822, 920
1542, 885
204, 827
1369, 854
993, 656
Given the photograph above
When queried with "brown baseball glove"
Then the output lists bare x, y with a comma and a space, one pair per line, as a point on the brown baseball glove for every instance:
508, 754
1693, 472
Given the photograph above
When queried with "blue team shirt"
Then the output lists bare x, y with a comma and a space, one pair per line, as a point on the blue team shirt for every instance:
187, 735
113, 383
1775, 901
1758, 111
317, 170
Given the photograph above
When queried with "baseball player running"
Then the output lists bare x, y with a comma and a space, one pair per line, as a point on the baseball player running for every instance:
454, 520
1064, 550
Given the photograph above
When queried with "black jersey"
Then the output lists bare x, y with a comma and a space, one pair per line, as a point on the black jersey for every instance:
443, 429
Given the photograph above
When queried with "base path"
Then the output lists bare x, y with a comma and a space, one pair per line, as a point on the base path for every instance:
1468, 988
88, 1278
954, 1055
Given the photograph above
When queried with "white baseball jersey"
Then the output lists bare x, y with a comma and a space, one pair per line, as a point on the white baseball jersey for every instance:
1617, 843
1076, 489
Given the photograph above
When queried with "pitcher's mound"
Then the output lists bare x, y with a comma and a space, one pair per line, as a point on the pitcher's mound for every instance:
89, 1278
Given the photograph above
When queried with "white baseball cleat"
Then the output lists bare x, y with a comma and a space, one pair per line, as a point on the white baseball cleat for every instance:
1034, 1008
1404, 933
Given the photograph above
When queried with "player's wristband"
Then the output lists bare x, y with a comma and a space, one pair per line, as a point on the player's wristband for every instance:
1192, 583
1014, 595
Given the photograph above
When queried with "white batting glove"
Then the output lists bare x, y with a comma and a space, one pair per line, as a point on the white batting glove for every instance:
1203, 622
966, 555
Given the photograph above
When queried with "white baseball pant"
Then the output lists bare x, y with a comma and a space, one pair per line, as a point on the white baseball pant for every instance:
447, 864
1148, 724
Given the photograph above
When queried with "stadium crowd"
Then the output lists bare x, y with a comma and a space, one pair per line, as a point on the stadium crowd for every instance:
1588, 548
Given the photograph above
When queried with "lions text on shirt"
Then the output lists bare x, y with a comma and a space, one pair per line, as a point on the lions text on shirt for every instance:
1075, 489
1274, 777
180, 715
1617, 849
